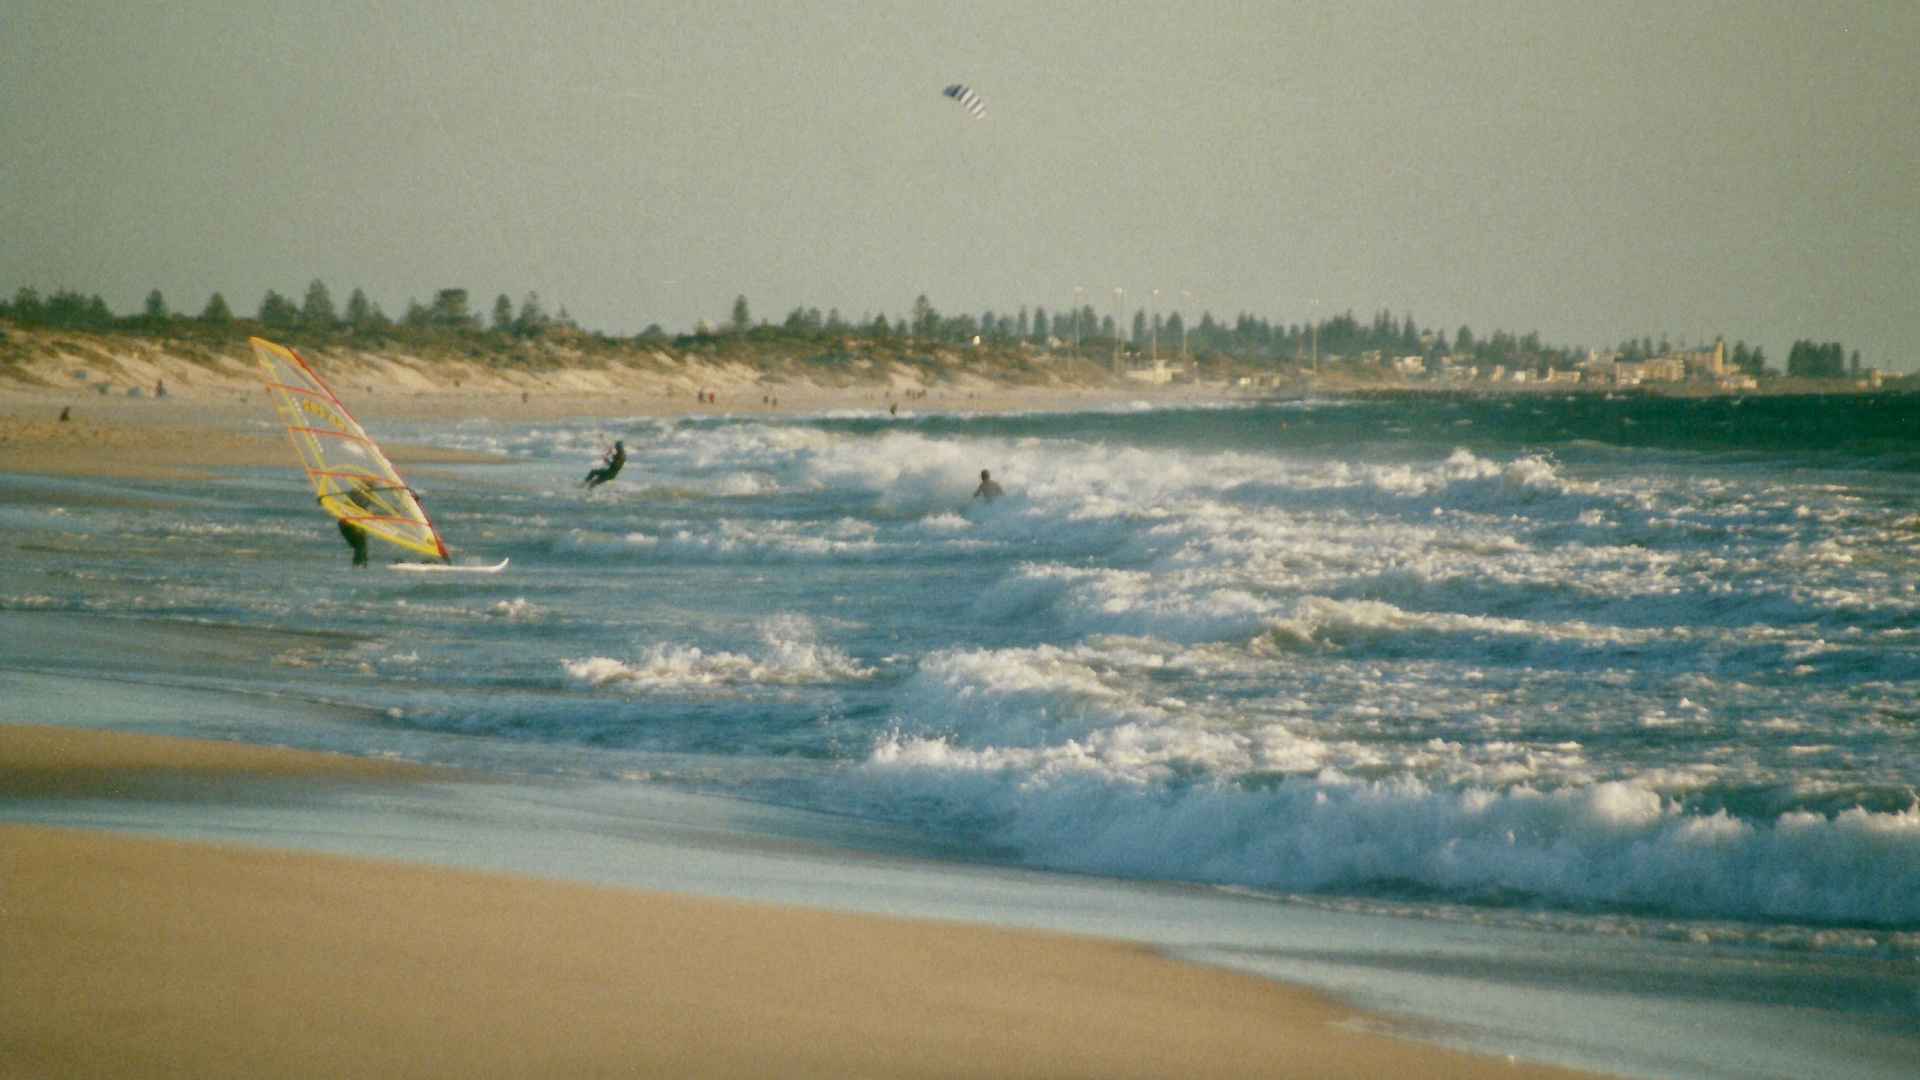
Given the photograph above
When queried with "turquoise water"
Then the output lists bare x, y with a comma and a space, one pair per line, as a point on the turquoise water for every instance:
1627, 684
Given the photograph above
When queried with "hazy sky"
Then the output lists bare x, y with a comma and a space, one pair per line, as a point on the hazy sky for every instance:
1590, 171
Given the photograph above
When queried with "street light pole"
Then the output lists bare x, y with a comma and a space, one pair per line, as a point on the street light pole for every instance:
1153, 328
1313, 318
1185, 315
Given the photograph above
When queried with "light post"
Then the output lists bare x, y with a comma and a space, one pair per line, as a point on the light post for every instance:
1153, 328
1313, 320
1185, 316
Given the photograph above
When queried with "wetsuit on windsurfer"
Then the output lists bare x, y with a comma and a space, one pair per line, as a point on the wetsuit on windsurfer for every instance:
615, 458
355, 535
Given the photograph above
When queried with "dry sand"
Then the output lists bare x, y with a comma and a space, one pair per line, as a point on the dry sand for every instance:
179, 438
43, 370
161, 440
143, 957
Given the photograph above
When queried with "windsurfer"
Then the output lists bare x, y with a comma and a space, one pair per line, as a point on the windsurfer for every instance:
615, 458
359, 495
356, 538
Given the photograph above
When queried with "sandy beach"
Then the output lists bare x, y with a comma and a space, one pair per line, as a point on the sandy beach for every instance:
143, 957
186, 433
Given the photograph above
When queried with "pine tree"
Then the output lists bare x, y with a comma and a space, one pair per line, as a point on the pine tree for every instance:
317, 312
361, 313
278, 312
450, 309
533, 318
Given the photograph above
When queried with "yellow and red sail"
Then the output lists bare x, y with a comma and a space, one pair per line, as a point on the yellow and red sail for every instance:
353, 479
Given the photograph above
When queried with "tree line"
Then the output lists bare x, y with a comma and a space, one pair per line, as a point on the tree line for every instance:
1815, 360
1247, 338
449, 310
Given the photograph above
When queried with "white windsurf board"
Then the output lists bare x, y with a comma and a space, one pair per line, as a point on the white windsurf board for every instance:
443, 568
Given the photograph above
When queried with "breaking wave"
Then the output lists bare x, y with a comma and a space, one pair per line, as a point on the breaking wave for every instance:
792, 655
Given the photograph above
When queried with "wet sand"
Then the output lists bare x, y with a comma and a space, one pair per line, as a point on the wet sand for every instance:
140, 957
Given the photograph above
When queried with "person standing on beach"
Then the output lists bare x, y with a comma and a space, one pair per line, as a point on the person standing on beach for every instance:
615, 458
987, 490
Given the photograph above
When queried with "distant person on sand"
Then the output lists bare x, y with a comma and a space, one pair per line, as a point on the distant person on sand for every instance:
615, 458
987, 490
66, 414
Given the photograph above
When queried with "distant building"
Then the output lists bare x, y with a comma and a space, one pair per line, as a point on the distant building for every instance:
1660, 369
1599, 366
1704, 363
1157, 375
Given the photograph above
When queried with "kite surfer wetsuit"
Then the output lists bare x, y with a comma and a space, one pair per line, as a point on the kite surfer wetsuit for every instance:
616, 458
357, 537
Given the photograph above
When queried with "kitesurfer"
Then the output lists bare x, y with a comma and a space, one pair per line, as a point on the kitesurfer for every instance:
614, 459
988, 489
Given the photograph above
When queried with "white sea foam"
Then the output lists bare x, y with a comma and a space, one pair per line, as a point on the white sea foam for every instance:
518, 608
1120, 756
791, 655
1612, 843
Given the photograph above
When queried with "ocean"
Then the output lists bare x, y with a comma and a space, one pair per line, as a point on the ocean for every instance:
1614, 699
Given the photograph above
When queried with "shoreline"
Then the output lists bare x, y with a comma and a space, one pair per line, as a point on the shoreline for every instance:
138, 955
181, 438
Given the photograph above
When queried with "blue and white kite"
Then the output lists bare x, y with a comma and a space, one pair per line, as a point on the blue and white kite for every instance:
965, 96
